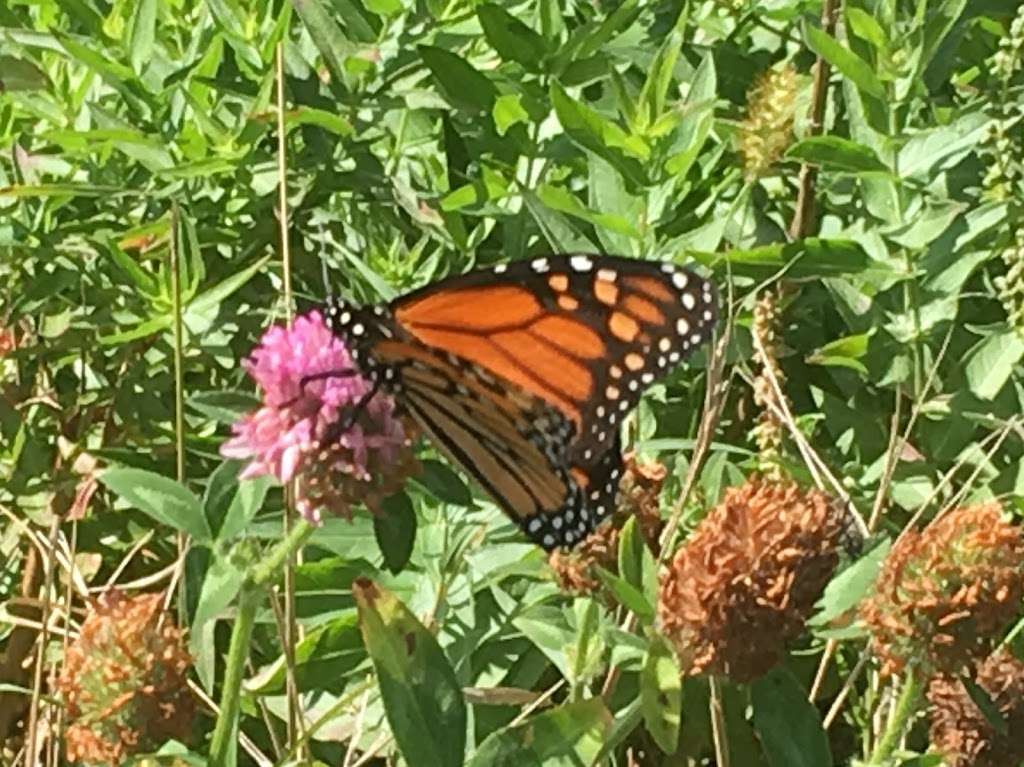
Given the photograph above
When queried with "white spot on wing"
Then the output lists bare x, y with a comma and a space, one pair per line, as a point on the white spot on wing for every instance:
608, 275
679, 279
540, 264
581, 263
682, 326
689, 301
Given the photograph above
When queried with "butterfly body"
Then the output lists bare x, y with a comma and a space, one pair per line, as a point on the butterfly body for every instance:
523, 373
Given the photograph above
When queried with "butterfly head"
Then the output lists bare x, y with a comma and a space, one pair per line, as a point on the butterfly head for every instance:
358, 326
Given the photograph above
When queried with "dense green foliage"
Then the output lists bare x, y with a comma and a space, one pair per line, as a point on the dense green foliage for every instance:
427, 137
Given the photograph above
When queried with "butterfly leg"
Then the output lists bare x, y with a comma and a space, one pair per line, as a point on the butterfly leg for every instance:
350, 415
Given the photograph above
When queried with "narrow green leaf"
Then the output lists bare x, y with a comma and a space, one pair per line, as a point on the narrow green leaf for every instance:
319, 20
565, 201
661, 694
163, 499
839, 154
461, 85
788, 725
221, 585
395, 530
852, 66
659, 76
222, 406
511, 38
571, 734
629, 596
810, 258
422, 699
143, 28
631, 553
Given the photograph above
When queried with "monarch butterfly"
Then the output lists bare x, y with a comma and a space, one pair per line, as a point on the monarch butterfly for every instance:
522, 373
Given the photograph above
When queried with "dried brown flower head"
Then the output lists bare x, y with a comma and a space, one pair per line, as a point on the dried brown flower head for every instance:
959, 729
639, 496
124, 681
744, 582
767, 130
944, 594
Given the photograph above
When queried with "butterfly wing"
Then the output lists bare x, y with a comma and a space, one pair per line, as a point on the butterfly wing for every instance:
512, 442
586, 334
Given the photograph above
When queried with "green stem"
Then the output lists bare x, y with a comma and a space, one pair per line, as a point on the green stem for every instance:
259, 575
267, 569
906, 707
224, 733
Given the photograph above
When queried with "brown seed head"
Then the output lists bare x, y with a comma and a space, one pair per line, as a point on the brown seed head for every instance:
753, 568
945, 594
959, 729
124, 681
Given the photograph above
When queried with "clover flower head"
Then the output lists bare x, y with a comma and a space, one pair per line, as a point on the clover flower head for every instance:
310, 387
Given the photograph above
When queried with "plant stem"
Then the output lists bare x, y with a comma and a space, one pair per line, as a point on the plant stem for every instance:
259, 576
266, 569
224, 733
906, 707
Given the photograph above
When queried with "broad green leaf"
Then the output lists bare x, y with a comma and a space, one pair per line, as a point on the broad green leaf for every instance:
788, 725
990, 363
568, 736
395, 530
461, 85
511, 38
845, 591
163, 499
324, 658
839, 154
661, 694
813, 257
422, 699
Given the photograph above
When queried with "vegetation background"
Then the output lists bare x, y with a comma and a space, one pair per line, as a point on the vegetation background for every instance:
852, 168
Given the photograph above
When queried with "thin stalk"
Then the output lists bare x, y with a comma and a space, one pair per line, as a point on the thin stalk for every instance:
718, 731
231, 695
906, 707
291, 631
260, 575
179, 386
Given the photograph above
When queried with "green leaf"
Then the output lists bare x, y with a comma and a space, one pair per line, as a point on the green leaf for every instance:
839, 154
324, 659
631, 554
508, 110
852, 66
843, 352
592, 131
985, 704
661, 694
443, 483
461, 85
318, 18
163, 499
231, 504
422, 699
221, 584
626, 594
787, 724
395, 530
991, 362
564, 201
20, 75
511, 38
651, 102
846, 590
571, 734
143, 28
222, 406
810, 258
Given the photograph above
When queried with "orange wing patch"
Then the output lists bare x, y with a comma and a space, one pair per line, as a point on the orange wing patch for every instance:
652, 287
571, 335
504, 306
643, 310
